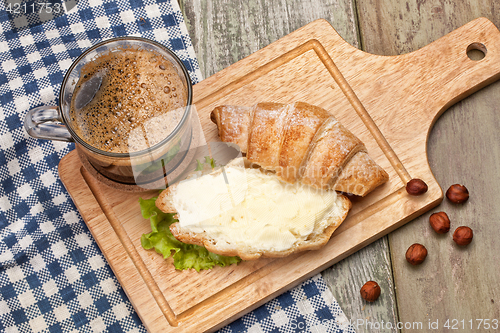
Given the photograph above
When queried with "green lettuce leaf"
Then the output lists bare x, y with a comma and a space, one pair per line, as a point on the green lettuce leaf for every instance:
161, 239
209, 163
158, 164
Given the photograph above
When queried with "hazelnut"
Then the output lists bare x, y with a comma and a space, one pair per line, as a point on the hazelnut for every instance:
416, 187
462, 236
416, 254
440, 222
370, 291
457, 193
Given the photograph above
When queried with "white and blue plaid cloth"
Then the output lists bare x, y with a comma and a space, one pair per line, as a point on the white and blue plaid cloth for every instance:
53, 277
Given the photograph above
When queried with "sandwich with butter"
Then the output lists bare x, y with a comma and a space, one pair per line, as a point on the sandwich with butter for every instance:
248, 212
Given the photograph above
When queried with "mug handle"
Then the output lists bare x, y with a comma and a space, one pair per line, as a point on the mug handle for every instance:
44, 122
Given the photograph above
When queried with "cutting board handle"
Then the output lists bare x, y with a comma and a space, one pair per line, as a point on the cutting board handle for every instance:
446, 73
406, 94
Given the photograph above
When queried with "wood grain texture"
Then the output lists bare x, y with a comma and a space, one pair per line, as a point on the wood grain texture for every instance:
270, 75
224, 32
348, 276
463, 147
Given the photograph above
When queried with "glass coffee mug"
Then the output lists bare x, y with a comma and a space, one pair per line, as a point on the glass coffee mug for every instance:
126, 103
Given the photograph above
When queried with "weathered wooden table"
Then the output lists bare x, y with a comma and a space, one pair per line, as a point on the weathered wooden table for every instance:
458, 285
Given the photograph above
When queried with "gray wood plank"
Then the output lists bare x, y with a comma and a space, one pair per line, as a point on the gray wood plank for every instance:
346, 278
463, 147
225, 31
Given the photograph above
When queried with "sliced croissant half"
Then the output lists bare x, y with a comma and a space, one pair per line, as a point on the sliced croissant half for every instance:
300, 142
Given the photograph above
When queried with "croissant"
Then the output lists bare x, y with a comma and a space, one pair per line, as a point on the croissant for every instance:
300, 142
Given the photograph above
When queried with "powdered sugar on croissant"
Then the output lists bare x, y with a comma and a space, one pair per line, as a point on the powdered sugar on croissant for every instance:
301, 142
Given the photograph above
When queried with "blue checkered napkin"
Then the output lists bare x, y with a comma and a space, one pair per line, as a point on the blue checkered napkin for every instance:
309, 307
53, 277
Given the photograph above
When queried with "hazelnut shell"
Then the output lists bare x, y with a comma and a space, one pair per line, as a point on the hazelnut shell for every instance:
416, 254
440, 222
463, 236
457, 193
416, 187
370, 291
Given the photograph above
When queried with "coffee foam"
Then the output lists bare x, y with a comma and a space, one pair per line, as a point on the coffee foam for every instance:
137, 86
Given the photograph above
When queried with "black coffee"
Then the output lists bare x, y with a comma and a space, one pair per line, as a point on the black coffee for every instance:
127, 100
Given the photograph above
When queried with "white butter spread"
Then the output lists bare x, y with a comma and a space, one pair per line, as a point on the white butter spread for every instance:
247, 207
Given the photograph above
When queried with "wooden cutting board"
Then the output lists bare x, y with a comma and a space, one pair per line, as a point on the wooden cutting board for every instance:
390, 103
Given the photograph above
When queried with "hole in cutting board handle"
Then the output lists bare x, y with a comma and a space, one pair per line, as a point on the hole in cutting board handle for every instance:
476, 51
